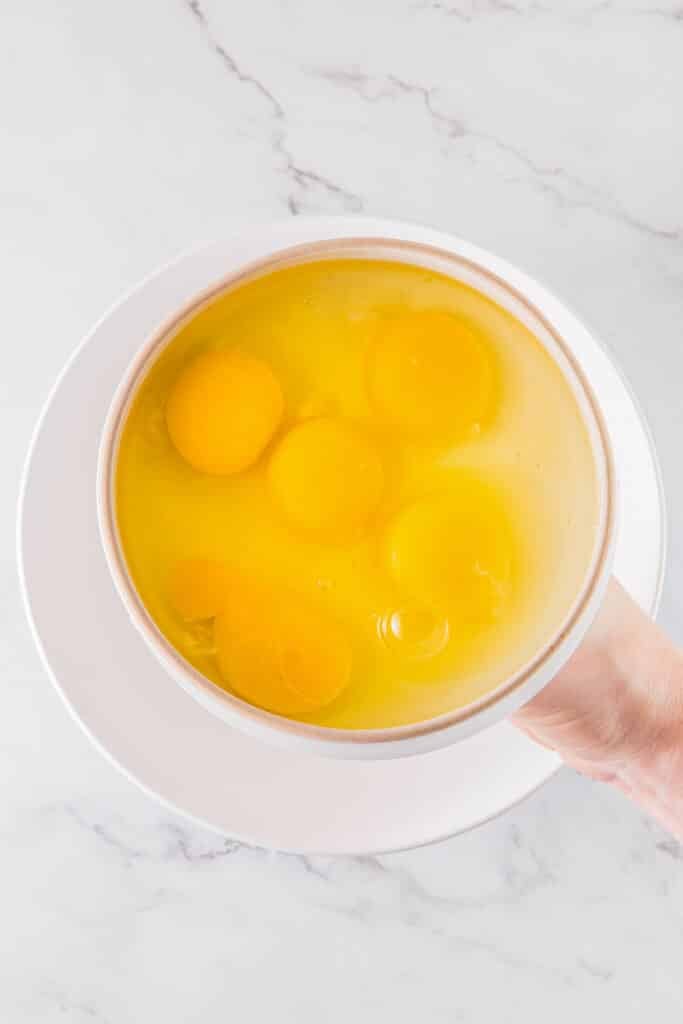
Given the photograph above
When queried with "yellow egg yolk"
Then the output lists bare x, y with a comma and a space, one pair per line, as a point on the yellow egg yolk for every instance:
197, 588
431, 374
455, 552
327, 478
279, 649
222, 411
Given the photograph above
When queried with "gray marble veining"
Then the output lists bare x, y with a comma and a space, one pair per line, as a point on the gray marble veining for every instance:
548, 131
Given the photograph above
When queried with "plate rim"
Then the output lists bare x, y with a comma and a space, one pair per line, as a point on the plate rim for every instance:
27, 466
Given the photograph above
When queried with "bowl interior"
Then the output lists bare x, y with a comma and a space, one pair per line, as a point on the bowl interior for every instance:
476, 275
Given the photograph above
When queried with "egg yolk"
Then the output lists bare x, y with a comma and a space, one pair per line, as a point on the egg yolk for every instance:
327, 478
197, 588
454, 552
430, 373
280, 650
222, 411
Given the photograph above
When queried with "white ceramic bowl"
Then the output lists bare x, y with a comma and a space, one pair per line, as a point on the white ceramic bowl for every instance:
387, 241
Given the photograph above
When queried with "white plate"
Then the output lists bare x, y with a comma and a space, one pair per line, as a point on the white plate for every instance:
163, 739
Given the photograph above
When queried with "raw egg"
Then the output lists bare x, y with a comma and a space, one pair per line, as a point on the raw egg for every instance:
197, 588
455, 551
431, 374
223, 410
326, 476
279, 649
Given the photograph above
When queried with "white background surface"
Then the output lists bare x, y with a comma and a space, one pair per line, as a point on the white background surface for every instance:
546, 131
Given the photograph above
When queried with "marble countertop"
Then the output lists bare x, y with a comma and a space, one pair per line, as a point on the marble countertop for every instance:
546, 130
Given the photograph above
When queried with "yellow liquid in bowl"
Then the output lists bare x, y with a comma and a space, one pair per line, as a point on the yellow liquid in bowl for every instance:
356, 492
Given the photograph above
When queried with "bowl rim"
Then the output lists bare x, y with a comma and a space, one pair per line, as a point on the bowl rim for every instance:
229, 705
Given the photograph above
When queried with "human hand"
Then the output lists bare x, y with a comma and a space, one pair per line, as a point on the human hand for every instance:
615, 711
